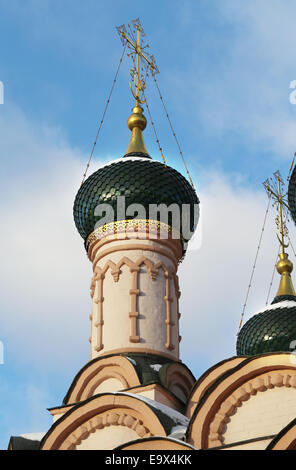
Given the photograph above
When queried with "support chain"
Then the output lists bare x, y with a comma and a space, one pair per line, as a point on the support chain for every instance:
154, 130
272, 277
172, 129
254, 266
103, 117
291, 245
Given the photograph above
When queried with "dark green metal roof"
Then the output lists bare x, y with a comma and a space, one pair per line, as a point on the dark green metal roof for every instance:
272, 330
141, 181
292, 194
22, 443
143, 364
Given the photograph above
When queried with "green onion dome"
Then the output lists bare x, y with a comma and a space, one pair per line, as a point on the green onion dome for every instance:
271, 330
140, 180
292, 195
274, 328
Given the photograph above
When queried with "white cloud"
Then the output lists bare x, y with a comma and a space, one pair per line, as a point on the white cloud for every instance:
45, 273
214, 279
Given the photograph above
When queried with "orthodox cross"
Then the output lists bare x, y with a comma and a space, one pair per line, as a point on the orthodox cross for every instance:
142, 61
274, 187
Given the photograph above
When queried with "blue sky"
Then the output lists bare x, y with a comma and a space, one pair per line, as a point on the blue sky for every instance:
225, 69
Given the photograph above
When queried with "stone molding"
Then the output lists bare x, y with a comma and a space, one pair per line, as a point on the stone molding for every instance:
235, 383
207, 379
170, 244
134, 247
97, 412
95, 373
178, 375
259, 384
102, 421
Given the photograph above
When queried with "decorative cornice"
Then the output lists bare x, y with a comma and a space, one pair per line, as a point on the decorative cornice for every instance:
225, 386
95, 373
100, 422
179, 375
171, 245
207, 379
99, 411
228, 407
133, 247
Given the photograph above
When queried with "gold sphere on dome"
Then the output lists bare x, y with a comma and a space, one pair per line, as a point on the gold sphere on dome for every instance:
284, 264
137, 119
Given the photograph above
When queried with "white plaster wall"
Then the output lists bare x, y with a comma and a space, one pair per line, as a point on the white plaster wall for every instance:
150, 305
263, 414
116, 308
57, 416
109, 385
156, 395
152, 309
108, 438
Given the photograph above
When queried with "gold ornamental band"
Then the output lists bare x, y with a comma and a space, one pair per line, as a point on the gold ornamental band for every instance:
133, 225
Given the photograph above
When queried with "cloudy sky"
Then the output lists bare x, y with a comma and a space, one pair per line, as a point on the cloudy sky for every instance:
225, 72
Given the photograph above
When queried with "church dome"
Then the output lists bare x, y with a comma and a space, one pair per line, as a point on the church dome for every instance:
292, 194
271, 330
140, 180
274, 328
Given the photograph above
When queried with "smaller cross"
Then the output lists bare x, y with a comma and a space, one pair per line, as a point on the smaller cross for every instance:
135, 45
274, 188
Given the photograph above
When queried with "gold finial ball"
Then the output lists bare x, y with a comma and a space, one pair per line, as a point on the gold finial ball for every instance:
137, 119
284, 265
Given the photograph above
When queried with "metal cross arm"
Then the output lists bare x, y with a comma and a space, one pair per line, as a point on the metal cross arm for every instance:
276, 196
138, 50
133, 40
275, 187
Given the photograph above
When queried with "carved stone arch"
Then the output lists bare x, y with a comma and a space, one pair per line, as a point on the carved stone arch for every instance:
98, 370
179, 380
207, 379
127, 261
230, 390
97, 413
114, 267
151, 267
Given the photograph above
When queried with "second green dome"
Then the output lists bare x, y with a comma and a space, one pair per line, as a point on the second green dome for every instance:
272, 330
